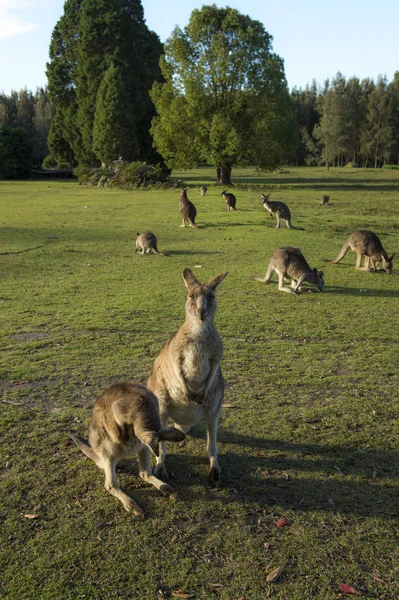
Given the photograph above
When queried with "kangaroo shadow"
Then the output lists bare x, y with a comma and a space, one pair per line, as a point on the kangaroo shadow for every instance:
21, 251
351, 481
360, 291
189, 252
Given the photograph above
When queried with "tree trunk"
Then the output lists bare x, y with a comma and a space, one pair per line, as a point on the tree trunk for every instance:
223, 175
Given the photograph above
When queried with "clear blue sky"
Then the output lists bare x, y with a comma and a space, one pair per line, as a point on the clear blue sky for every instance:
315, 39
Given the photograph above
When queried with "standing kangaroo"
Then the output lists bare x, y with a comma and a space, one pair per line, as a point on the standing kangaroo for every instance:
203, 190
324, 200
230, 200
147, 242
188, 212
281, 210
290, 263
125, 422
366, 243
186, 376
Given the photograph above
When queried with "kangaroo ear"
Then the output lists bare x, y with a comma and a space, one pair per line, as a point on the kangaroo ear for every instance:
189, 278
321, 274
171, 434
391, 257
137, 234
214, 282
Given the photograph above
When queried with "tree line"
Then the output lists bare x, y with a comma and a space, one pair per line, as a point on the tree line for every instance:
214, 93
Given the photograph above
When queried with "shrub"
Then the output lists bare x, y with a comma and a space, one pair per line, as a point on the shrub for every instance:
124, 175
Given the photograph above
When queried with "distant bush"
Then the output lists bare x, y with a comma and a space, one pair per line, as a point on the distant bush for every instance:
390, 167
49, 163
352, 165
124, 175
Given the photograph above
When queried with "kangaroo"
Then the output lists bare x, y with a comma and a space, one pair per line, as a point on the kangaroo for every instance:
366, 243
290, 263
281, 210
324, 200
203, 190
186, 376
125, 422
230, 200
188, 212
147, 242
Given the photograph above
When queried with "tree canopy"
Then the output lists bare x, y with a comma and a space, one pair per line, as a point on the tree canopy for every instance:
224, 99
91, 36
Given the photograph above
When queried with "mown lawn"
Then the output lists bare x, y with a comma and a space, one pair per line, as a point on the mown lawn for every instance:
312, 434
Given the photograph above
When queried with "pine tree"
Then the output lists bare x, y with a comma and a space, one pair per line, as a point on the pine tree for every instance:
90, 36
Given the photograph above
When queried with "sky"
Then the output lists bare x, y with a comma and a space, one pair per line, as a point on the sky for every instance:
315, 39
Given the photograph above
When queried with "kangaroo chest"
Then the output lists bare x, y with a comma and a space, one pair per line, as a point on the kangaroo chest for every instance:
196, 361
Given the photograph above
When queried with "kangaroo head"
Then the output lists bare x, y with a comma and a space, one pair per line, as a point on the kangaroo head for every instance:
387, 263
319, 278
201, 303
265, 198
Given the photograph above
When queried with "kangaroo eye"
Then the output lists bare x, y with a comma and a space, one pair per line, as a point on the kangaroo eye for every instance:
192, 297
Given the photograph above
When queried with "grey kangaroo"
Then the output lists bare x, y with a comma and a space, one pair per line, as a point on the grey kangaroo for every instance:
290, 263
230, 200
188, 212
280, 209
366, 243
203, 190
125, 422
147, 242
324, 200
186, 376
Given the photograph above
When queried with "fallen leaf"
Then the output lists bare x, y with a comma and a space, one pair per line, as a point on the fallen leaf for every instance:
377, 578
31, 516
274, 575
227, 405
267, 545
182, 594
174, 538
348, 589
282, 522
331, 501
285, 476
216, 585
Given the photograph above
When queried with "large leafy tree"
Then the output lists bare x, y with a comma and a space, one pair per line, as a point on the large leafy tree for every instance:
90, 36
225, 99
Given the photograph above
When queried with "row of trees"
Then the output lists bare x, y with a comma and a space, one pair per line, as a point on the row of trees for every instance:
215, 93
348, 121
25, 120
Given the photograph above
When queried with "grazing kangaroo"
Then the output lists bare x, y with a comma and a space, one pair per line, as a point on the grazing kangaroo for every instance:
147, 242
125, 422
188, 212
203, 190
281, 210
366, 243
186, 376
230, 200
324, 200
290, 263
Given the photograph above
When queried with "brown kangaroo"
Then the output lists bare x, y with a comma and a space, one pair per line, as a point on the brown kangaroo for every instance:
324, 200
188, 212
125, 422
203, 190
290, 263
147, 242
230, 200
280, 209
366, 243
186, 376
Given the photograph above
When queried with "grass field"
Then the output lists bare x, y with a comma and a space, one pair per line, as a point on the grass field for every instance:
312, 434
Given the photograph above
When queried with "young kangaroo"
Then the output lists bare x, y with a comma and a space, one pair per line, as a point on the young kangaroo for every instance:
203, 190
281, 210
147, 242
324, 200
188, 212
290, 263
366, 243
125, 422
230, 200
186, 376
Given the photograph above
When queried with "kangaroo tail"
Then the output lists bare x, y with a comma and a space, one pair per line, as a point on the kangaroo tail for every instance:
293, 227
84, 447
341, 255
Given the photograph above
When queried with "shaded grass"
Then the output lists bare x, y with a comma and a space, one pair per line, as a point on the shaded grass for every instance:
313, 381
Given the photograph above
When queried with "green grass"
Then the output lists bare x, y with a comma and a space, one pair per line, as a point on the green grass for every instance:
313, 435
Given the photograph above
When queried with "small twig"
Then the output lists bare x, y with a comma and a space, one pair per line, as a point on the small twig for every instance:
13, 403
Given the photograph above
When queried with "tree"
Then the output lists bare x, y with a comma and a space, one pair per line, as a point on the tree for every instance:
113, 122
225, 99
15, 153
89, 37
378, 135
